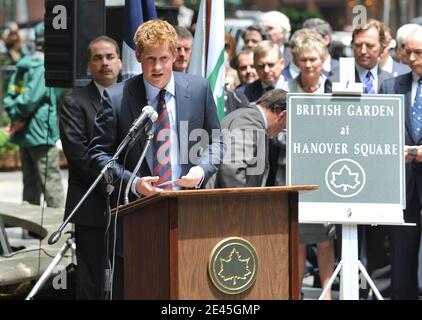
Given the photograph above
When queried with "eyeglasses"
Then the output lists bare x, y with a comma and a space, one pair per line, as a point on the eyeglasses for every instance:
262, 66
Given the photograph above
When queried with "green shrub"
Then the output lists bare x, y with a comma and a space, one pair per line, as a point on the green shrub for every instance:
5, 144
5, 119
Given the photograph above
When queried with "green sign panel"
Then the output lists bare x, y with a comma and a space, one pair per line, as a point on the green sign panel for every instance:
352, 147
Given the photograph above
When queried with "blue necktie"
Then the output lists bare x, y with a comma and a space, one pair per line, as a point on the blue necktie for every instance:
368, 85
417, 111
162, 154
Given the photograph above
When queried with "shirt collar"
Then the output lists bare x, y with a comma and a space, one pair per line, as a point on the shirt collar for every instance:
100, 88
362, 71
389, 64
263, 116
152, 92
277, 85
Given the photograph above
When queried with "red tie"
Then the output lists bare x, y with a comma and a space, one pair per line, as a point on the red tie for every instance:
162, 154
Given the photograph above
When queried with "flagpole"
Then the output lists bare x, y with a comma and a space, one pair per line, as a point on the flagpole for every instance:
207, 30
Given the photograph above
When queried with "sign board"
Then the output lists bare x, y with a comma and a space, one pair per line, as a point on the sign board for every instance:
353, 148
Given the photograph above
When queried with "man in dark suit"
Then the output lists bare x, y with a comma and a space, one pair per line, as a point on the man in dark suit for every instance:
246, 162
405, 241
268, 63
76, 126
183, 102
368, 43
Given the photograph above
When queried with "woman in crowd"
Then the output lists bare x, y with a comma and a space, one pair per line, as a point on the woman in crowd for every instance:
309, 54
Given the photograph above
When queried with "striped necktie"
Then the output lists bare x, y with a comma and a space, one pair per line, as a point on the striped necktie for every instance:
162, 154
368, 84
417, 111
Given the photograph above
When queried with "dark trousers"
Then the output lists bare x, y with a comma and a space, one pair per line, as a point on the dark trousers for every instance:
34, 163
404, 250
90, 255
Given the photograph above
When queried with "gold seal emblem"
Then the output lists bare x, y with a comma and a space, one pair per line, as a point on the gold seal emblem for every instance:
233, 265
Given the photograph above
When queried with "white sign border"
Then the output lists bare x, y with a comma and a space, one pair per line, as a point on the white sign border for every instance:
353, 213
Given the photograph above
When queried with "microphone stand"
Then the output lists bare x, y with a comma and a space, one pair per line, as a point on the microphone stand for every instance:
58, 233
107, 173
149, 129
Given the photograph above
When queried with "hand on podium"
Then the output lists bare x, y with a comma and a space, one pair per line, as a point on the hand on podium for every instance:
144, 186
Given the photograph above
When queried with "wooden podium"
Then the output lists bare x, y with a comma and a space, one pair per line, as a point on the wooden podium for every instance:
168, 239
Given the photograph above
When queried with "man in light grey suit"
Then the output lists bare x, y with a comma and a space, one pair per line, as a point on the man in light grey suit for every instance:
246, 132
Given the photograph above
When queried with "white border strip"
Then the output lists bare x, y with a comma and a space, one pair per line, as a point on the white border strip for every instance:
354, 213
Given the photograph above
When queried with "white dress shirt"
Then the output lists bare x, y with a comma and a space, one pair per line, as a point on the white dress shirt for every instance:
362, 74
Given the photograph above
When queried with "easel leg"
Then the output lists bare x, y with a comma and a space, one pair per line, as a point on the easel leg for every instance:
330, 282
371, 283
350, 266
349, 282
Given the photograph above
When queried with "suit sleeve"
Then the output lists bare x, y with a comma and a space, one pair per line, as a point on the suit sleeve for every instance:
105, 141
74, 135
212, 158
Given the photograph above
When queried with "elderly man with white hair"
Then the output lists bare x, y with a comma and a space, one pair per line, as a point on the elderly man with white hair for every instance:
278, 29
401, 38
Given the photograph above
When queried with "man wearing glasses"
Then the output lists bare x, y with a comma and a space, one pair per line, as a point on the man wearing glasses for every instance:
269, 64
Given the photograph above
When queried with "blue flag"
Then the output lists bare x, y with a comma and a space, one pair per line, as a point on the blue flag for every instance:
136, 13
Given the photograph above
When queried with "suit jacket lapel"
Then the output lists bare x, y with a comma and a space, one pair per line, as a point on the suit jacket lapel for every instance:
94, 97
357, 78
382, 75
138, 100
183, 101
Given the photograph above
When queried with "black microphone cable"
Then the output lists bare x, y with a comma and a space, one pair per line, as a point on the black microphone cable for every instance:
111, 264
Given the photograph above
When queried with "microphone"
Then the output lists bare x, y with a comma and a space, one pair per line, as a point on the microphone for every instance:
148, 125
147, 113
149, 130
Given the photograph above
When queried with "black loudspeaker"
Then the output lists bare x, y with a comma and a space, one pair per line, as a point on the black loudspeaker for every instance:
66, 41
168, 13
115, 17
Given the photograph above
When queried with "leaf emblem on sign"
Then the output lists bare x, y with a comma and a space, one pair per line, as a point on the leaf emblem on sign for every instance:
345, 179
234, 268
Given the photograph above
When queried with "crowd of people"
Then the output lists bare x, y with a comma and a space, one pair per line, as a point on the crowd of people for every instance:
95, 119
